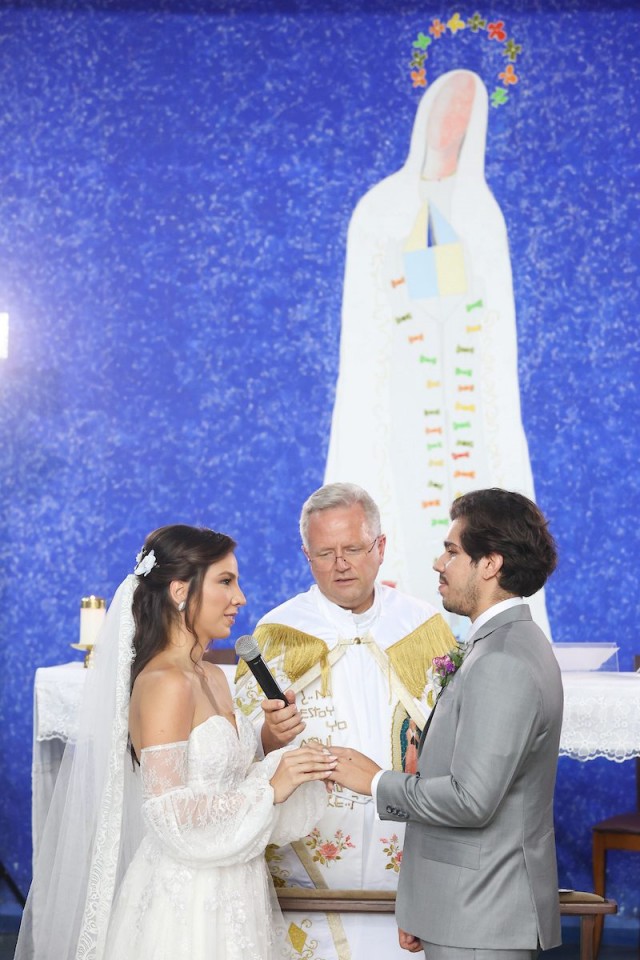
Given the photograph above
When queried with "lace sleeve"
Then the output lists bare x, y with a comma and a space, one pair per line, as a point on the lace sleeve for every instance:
203, 822
298, 815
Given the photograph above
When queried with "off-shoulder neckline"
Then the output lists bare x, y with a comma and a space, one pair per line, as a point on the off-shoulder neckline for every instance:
180, 743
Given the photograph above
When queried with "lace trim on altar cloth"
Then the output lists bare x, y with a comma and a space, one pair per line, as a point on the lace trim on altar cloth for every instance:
57, 702
601, 716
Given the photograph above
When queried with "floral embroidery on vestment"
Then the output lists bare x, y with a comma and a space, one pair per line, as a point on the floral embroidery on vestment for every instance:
328, 851
393, 850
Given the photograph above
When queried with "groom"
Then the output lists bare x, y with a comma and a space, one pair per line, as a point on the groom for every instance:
479, 865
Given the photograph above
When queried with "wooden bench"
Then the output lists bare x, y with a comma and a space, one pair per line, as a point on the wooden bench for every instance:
587, 906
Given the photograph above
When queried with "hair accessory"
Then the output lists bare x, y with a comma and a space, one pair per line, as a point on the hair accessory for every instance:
145, 564
182, 605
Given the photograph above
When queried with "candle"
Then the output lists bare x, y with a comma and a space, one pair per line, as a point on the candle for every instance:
92, 613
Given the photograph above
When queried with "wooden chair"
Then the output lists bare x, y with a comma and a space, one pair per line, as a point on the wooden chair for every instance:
588, 906
591, 909
621, 832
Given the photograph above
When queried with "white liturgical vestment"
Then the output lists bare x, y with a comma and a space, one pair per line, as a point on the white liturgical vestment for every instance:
364, 681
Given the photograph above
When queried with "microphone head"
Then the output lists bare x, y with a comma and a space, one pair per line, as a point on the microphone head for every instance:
247, 648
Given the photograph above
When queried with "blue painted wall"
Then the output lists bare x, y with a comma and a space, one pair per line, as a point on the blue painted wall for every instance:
176, 182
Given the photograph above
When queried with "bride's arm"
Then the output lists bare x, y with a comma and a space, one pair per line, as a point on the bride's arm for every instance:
201, 822
192, 822
279, 800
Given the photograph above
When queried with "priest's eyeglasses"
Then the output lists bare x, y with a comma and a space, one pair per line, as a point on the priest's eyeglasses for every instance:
326, 558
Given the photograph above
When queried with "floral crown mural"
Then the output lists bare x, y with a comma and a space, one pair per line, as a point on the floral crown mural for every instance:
495, 31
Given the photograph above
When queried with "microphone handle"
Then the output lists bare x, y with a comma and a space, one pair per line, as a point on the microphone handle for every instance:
264, 677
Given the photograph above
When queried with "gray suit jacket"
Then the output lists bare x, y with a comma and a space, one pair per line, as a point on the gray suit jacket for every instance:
479, 861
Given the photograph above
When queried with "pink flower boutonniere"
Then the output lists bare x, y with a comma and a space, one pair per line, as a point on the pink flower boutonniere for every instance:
445, 667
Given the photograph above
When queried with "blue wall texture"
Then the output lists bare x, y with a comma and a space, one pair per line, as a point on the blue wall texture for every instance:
176, 182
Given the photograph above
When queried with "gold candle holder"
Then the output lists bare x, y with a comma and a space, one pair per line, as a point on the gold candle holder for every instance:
93, 610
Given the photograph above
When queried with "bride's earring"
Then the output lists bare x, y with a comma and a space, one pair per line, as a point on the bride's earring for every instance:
182, 605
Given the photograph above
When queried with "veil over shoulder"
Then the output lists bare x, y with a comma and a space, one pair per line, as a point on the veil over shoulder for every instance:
94, 824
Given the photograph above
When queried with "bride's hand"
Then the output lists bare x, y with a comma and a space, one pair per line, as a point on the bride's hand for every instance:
311, 762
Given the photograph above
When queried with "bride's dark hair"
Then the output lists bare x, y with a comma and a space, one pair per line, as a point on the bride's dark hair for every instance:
181, 553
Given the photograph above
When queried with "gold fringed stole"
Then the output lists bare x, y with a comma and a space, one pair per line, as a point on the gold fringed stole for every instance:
300, 652
305, 657
412, 656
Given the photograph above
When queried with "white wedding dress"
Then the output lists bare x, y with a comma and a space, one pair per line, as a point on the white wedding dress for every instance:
198, 887
165, 861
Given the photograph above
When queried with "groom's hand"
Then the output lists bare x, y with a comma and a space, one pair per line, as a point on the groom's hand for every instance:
408, 942
354, 770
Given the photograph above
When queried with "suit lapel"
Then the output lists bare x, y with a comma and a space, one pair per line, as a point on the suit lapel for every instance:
519, 612
428, 723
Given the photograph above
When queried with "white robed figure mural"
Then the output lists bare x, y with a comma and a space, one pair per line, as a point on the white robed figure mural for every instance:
427, 401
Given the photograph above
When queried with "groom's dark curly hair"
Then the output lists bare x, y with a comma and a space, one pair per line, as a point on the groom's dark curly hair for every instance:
499, 521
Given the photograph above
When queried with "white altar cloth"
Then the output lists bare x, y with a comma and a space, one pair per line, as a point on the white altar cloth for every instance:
601, 716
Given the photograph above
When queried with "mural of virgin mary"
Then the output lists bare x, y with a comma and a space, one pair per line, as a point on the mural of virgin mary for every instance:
427, 400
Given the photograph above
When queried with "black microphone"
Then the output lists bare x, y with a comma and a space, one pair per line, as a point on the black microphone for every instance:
249, 651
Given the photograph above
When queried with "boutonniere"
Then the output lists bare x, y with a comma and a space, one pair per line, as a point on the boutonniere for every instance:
445, 667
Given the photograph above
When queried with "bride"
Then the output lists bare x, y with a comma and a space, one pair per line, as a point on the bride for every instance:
154, 844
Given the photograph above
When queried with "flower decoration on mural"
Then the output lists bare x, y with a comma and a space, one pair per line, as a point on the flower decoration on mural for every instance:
422, 41
497, 31
328, 851
512, 50
393, 850
452, 25
419, 78
499, 96
456, 23
476, 22
508, 75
